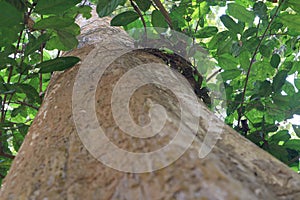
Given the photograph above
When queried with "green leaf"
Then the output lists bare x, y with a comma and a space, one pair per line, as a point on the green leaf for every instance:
73, 29
278, 151
35, 44
17, 140
206, 32
8, 35
294, 4
218, 39
240, 12
230, 24
54, 22
20, 5
7, 60
9, 15
291, 21
297, 130
260, 9
106, 7
230, 74
176, 17
244, 60
85, 11
158, 20
295, 68
261, 70
54, 6
67, 39
279, 80
144, 5
293, 144
124, 18
28, 90
249, 32
265, 50
297, 83
281, 102
265, 88
17, 110
55, 43
227, 62
251, 44
57, 64
288, 88
282, 135
275, 60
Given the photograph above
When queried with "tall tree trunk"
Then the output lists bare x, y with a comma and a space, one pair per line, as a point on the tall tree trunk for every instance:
53, 162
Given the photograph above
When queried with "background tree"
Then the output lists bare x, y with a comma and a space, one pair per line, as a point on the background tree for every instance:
255, 47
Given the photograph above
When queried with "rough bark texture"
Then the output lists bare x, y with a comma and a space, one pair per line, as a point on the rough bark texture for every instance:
53, 163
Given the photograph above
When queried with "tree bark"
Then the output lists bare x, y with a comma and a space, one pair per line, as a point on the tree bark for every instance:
53, 163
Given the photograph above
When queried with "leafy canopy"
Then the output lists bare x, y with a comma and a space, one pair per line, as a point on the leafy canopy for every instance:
253, 44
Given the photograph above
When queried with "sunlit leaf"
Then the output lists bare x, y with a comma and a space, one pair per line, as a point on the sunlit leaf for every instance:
240, 12
227, 62
292, 21
288, 88
294, 4
218, 39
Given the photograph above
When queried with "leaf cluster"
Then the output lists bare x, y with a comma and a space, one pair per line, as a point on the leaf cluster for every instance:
253, 45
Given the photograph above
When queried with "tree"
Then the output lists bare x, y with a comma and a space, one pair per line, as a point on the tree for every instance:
53, 163
255, 58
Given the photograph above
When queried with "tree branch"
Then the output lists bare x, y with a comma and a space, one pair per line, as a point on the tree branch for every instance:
164, 12
253, 59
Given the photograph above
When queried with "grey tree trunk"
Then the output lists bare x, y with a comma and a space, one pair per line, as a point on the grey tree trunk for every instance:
54, 163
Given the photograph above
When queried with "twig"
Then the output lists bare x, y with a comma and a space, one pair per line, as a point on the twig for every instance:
214, 74
136, 8
41, 75
164, 12
6, 155
26, 104
252, 62
294, 160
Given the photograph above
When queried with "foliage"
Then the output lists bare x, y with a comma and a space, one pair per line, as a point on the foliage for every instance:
255, 45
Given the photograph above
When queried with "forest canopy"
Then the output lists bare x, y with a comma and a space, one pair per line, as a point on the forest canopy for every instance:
253, 47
